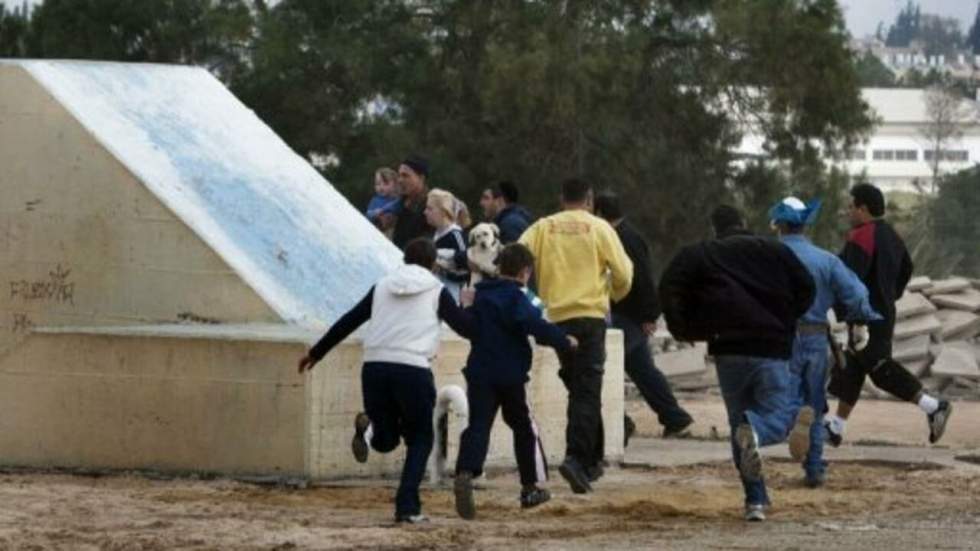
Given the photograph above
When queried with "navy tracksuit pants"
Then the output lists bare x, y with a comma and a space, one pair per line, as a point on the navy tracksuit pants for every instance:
484, 401
399, 400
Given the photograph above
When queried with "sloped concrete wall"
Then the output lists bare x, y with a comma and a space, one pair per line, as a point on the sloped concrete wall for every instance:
82, 242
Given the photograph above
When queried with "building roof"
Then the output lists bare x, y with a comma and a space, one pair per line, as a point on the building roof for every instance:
305, 250
901, 105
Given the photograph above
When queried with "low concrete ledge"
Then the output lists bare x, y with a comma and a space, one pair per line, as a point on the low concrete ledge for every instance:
227, 399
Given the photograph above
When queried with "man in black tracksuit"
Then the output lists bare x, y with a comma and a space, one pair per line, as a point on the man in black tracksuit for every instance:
636, 316
743, 295
496, 374
879, 258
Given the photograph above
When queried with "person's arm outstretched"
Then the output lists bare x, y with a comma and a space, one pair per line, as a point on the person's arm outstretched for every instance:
347, 324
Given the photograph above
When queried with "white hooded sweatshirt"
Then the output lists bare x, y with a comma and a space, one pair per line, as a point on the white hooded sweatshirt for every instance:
404, 326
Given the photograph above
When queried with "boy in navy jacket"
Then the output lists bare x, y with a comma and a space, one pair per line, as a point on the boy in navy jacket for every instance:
496, 372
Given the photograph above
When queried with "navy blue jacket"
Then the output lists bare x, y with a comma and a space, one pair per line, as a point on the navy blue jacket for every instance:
512, 221
503, 317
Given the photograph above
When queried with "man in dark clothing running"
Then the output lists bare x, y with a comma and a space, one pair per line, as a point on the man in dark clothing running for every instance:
636, 316
879, 258
743, 294
411, 222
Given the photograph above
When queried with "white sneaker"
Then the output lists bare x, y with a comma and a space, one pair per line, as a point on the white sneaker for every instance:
755, 512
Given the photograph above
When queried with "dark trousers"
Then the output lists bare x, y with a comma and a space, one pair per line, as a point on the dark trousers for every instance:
484, 401
399, 400
649, 380
581, 372
874, 361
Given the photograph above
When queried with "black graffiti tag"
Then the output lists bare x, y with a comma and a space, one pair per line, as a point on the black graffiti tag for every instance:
55, 288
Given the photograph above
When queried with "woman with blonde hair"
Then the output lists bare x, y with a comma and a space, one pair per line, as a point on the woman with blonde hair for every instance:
442, 212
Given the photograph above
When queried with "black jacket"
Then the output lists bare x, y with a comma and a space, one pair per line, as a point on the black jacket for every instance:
742, 294
879, 258
641, 304
410, 224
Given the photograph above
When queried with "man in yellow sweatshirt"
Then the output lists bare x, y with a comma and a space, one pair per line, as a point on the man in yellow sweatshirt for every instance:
580, 265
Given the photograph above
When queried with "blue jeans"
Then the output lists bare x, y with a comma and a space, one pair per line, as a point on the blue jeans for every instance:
649, 380
756, 390
808, 368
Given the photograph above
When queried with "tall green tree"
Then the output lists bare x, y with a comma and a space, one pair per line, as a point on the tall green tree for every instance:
906, 26
973, 36
14, 29
872, 73
212, 33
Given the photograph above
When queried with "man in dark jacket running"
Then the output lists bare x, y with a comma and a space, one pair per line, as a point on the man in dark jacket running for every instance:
879, 258
743, 294
636, 316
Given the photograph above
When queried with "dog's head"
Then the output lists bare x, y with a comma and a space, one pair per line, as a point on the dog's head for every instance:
485, 236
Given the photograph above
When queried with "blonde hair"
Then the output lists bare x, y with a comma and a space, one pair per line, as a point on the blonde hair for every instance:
455, 210
463, 217
386, 174
444, 201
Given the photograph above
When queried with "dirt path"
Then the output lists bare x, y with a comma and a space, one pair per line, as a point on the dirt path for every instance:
867, 505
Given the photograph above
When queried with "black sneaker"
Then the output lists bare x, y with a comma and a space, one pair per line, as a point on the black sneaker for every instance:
629, 429
816, 481
463, 489
573, 473
679, 431
411, 519
358, 445
937, 421
534, 496
834, 438
750, 464
595, 472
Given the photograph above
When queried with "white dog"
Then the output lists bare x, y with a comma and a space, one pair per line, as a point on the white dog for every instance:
482, 251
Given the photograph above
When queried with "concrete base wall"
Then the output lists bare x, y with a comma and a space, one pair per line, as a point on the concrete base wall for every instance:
227, 399
335, 396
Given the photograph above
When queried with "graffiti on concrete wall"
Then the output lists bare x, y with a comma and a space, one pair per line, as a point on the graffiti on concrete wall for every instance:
22, 323
57, 287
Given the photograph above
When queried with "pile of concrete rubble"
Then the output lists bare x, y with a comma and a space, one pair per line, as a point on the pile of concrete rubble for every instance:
937, 337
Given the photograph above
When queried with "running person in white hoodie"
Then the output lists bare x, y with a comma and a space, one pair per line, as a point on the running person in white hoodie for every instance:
404, 309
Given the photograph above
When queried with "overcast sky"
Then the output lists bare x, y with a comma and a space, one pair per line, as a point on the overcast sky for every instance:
862, 15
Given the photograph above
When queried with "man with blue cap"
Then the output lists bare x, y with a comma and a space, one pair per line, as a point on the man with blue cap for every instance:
835, 284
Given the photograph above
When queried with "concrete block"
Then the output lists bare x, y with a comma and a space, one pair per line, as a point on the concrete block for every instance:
947, 286
919, 283
957, 324
913, 349
968, 300
687, 361
913, 304
919, 368
956, 360
919, 325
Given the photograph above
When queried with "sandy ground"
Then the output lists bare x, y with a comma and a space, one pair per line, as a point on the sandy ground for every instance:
678, 495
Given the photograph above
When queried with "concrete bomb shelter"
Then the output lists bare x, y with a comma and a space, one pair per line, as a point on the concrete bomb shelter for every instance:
167, 259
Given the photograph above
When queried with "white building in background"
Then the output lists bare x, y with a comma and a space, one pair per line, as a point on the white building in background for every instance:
897, 153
